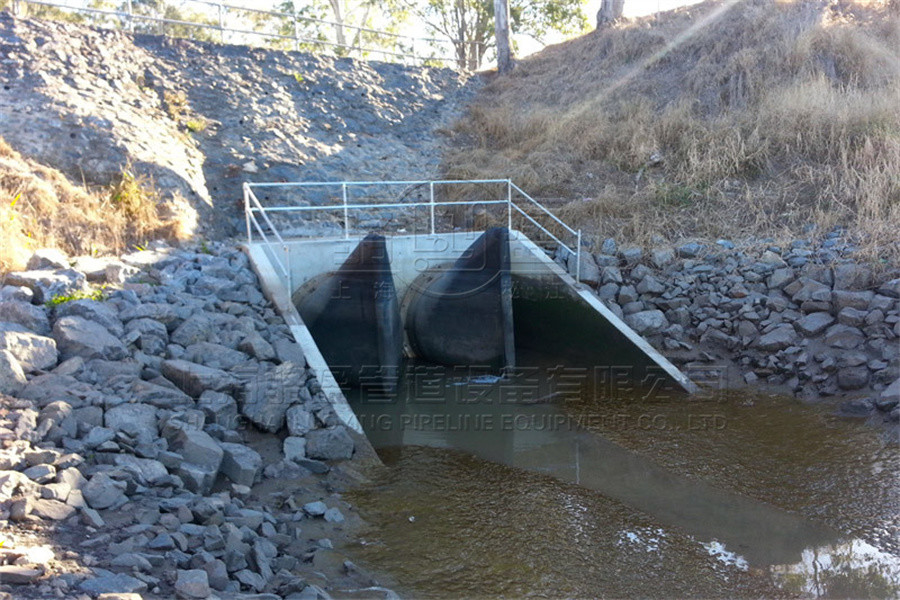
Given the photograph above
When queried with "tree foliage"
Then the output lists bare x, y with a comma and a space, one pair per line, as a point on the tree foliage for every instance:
469, 24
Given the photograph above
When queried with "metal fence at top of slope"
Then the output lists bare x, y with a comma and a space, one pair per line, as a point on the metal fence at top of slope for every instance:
230, 24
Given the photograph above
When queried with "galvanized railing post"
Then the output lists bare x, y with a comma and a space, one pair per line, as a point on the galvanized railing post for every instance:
247, 212
509, 204
431, 204
578, 259
296, 33
221, 22
346, 212
129, 7
290, 271
15, 8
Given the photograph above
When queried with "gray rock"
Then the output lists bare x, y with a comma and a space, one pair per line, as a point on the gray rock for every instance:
814, 323
101, 492
46, 284
627, 295
256, 346
300, 421
151, 471
289, 351
780, 337
780, 278
52, 510
76, 336
852, 317
294, 448
844, 337
198, 448
690, 250
859, 407
333, 515
660, 257
219, 408
241, 464
194, 379
650, 285
267, 398
890, 288
12, 376
333, 443
250, 579
217, 574
29, 316
33, 352
315, 509
216, 356
590, 273
101, 313
611, 275
891, 394
132, 419
851, 276
647, 322
192, 584
631, 255
48, 258
858, 300
112, 583
853, 378
608, 246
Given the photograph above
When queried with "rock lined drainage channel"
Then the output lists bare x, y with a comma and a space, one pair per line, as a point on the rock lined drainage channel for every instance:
166, 439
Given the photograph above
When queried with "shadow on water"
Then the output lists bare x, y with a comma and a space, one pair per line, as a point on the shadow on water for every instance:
723, 504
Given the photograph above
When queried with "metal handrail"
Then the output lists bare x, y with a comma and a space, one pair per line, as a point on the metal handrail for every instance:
252, 205
130, 17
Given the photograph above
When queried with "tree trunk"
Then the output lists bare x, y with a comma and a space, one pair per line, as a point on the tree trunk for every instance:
339, 23
610, 10
501, 27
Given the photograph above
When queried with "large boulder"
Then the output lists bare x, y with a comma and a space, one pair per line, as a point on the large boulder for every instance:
333, 443
194, 379
48, 258
12, 377
779, 338
814, 323
92, 310
34, 352
27, 315
240, 464
132, 418
647, 322
267, 397
76, 336
202, 458
47, 285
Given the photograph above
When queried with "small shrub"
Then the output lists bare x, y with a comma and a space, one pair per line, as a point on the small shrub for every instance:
62, 299
196, 125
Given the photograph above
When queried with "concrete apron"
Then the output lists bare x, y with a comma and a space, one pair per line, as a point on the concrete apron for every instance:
411, 256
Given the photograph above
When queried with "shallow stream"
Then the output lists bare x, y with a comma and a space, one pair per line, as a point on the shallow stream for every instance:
549, 485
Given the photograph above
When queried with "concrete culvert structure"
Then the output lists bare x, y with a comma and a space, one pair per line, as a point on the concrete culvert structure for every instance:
354, 316
462, 315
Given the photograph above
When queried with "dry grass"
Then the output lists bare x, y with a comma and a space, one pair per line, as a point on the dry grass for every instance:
40, 208
734, 118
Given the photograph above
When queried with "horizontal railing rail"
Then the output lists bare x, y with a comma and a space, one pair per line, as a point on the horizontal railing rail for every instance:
422, 49
514, 196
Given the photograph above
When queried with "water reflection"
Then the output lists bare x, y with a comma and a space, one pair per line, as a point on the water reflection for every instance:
851, 569
546, 436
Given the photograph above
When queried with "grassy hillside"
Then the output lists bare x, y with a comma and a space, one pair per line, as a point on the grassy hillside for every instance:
728, 118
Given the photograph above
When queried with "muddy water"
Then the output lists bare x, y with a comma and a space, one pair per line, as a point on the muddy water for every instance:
522, 487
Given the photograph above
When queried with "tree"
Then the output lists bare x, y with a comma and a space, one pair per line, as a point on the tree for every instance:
469, 24
501, 26
349, 21
610, 10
